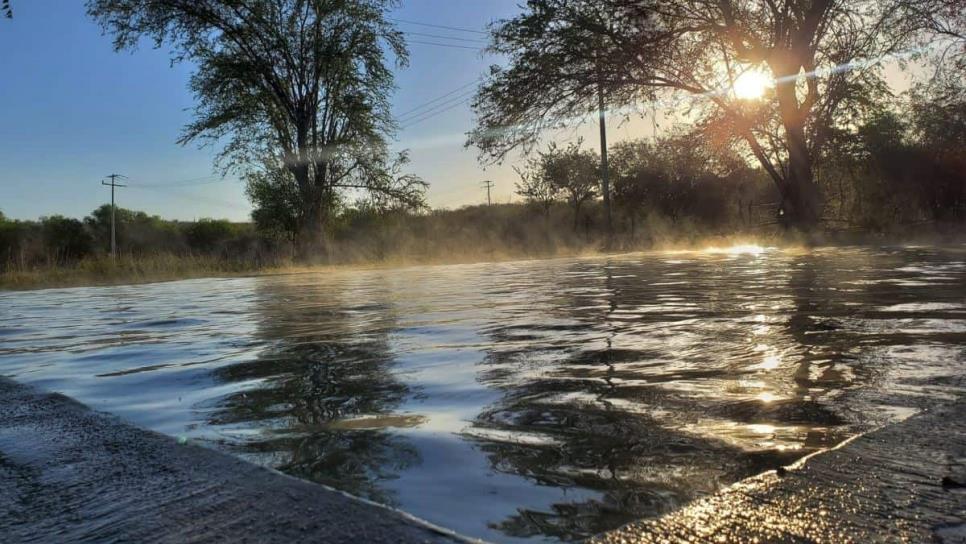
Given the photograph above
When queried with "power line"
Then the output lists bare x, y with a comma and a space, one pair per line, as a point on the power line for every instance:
430, 116
437, 107
191, 198
452, 46
437, 113
438, 36
456, 28
437, 99
405, 119
189, 182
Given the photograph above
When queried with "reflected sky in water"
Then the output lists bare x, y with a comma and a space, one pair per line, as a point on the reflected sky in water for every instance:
538, 400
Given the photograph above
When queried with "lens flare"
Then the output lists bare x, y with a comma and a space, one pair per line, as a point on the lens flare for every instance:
752, 84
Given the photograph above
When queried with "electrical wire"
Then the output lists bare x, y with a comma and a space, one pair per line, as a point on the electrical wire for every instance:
438, 36
408, 112
439, 107
189, 182
417, 121
431, 25
453, 46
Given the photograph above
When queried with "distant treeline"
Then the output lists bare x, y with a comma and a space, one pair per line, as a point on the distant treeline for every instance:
364, 233
889, 175
57, 240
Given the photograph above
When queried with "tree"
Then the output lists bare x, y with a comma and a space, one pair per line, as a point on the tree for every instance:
65, 239
639, 179
277, 203
562, 51
573, 171
5, 9
137, 232
536, 188
205, 235
301, 86
940, 130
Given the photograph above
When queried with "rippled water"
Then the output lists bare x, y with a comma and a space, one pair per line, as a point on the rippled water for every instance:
541, 399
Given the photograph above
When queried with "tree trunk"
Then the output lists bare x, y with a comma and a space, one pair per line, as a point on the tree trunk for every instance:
801, 202
311, 236
310, 240
577, 204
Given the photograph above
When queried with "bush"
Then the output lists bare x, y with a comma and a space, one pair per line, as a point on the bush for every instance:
10, 240
65, 239
206, 235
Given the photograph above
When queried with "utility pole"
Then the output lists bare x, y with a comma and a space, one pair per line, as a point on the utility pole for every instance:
488, 184
112, 185
604, 173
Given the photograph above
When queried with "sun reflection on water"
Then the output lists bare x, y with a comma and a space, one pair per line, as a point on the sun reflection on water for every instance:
738, 249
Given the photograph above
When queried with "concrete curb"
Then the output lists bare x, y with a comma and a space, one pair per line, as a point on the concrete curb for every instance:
896, 484
69, 474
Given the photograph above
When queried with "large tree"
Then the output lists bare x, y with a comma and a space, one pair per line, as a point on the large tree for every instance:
822, 56
292, 87
570, 170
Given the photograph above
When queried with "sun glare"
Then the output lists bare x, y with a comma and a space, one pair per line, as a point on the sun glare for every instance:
740, 249
752, 84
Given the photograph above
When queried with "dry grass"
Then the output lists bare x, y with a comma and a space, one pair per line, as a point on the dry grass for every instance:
126, 270
394, 251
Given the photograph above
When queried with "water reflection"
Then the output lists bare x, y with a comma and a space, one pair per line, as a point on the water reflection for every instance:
321, 395
532, 400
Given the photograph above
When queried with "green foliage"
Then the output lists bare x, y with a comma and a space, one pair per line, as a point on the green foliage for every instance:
536, 188
65, 239
680, 177
61, 241
11, 239
277, 204
691, 52
137, 231
570, 171
207, 235
897, 170
300, 88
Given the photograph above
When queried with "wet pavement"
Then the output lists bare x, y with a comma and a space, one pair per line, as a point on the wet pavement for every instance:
68, 474
905, 482
71, 474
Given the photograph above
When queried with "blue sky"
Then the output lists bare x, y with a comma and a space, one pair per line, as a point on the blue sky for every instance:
72, 111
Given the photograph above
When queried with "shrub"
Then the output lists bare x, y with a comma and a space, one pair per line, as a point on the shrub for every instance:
206, 235
65, 239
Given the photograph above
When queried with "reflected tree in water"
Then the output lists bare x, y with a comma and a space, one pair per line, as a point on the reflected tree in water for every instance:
593, 398
326, 390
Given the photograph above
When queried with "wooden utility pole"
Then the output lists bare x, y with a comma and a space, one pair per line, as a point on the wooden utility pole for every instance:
604, 173
488, 184
112, 185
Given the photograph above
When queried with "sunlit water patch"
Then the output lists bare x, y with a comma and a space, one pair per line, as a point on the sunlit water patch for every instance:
535, 400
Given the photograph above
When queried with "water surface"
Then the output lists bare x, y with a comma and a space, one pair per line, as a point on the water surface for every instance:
543, 400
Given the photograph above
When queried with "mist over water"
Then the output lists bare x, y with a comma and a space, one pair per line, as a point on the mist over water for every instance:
524, 400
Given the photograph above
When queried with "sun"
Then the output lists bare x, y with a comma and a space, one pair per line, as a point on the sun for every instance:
752, 84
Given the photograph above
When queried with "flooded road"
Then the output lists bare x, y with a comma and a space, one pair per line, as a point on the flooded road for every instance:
543, 400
